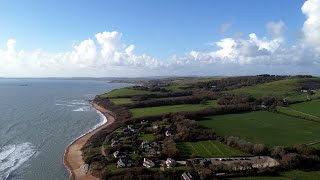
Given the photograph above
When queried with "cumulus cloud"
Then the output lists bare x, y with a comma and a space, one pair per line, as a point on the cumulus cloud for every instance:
311, 27
107, 55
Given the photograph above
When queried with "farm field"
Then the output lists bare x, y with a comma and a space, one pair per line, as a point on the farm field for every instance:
292, 175
310, 107
207, 149
288, 88
268, 128
125, 92
150, 111
121, 100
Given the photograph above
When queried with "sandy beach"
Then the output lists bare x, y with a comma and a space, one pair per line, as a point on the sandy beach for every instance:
73, 155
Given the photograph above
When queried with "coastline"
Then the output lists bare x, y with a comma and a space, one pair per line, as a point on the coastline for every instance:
73, 156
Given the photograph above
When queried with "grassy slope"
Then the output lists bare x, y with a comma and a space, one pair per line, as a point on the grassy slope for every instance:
207, 149
310, 107
292, 175
264, 127
288, 88
149, 111
124, 92
121, 100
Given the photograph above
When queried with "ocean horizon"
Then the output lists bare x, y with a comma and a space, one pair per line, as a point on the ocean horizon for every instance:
40, 118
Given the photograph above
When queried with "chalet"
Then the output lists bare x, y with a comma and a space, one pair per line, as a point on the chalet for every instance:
168, 133
129, 130
115, 144
124, 163
119, 154
170, 162
145, 145
144, 122
148, 163
121, 163
186, 176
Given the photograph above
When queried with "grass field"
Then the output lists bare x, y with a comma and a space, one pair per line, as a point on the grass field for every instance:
310, 107
150, 111
146, 137
289, 175
288, 88
121, 100
125, 92
207, 149
271, 129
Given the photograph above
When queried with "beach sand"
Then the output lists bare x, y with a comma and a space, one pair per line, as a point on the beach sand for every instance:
73, 155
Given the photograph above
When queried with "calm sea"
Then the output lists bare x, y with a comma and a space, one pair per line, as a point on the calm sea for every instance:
38, 119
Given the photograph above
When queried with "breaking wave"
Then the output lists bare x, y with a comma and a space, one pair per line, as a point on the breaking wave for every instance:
14, 156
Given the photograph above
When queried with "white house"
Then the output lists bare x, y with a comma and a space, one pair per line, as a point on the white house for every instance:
121, 163
168, 133
170, 162
186, 176
119, 154
148, 163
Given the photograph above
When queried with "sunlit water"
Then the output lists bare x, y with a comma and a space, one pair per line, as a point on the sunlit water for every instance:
38, 119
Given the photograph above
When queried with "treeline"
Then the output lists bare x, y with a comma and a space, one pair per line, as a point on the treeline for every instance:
236, 82
162, 102
144, 97
154, 88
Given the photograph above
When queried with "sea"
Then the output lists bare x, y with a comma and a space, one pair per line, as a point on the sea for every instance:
39, 118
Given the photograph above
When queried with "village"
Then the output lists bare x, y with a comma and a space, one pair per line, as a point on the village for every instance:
143, 145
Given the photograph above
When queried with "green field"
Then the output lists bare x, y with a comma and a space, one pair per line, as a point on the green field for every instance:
288, 88
121, 100
268, 128
310, 107
150, 111
292, 175
125, 92
146, 137
207, 149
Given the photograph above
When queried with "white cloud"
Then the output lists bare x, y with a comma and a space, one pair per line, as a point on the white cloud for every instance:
311, 27
107, 55
275, 29
225, 27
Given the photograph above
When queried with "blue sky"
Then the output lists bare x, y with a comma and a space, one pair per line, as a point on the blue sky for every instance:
159, 29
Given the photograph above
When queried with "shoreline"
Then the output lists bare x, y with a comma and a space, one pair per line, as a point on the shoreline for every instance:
73, 155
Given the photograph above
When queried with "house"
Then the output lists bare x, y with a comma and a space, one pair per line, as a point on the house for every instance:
152, 152
124, 163
186, 176
145, 145
131, 129
155, 127
121, 163
115, 139
170, 162
115, 144
168, 133
119, 154
144, 122
148, 163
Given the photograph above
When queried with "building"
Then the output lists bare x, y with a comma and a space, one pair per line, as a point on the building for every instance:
145, 145
168, 133
170, 162
152, 152
186, 176
144, 122
115, 144
115, 139
148, 163
121, 163
119, 154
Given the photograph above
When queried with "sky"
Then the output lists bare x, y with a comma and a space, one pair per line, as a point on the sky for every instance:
125, 38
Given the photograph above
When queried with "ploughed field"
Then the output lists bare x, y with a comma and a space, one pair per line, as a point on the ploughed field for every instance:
207, 149
271, 129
